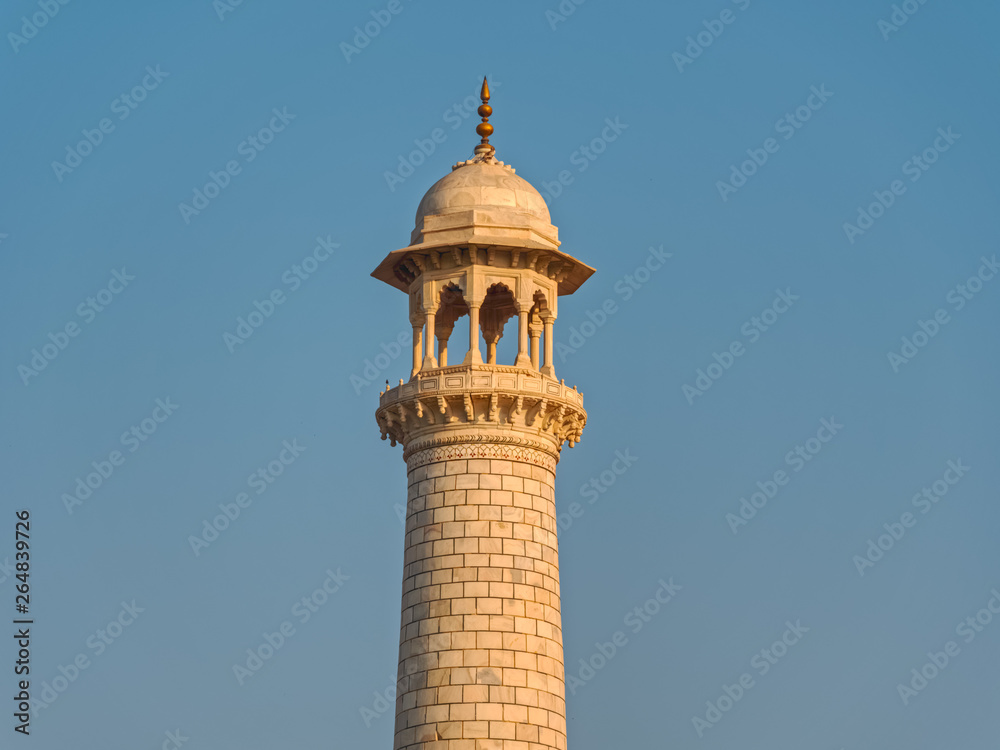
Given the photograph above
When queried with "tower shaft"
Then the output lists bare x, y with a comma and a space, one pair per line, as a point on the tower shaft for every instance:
480, 655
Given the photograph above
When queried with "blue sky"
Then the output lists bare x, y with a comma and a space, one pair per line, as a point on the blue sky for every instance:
743, 159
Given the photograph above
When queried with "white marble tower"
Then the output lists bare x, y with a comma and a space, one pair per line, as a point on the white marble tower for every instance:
480, 653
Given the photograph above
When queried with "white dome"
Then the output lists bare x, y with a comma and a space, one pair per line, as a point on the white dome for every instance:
478, 183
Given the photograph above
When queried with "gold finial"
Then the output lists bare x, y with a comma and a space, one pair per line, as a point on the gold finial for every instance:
484, 128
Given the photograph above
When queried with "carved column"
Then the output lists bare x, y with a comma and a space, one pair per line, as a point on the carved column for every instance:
548, 368
444, 329
492, 333
418, 344
535, 332
430, 361
523, 358
474, 357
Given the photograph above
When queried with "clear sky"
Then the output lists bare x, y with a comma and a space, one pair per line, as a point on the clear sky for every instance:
743, 160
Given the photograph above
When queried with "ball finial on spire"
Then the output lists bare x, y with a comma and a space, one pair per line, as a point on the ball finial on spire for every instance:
484, 129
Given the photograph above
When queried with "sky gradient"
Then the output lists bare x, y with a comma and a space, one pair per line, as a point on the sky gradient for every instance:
823, 332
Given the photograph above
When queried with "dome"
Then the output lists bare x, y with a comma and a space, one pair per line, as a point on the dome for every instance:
482, 213
482, 183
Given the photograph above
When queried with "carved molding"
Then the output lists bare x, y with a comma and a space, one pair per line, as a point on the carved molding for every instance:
463, 449
480, 403
537, 417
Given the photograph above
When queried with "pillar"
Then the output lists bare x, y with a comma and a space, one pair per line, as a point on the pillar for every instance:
547, 367
474, 357
430, 362
418, 348
523, 359
442, 351
536, 333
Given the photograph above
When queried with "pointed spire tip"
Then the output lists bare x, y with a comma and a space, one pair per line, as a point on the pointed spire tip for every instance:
484, 128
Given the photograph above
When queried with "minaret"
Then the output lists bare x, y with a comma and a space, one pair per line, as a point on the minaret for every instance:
480, 644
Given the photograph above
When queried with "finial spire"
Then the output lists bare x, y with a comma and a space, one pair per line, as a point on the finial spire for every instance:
484, 128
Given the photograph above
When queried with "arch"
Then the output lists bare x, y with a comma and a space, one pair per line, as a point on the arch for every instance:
451, 307
498, 307
451, 303
539, 307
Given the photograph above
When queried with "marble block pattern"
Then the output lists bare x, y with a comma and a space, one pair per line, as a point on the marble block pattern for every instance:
480, 654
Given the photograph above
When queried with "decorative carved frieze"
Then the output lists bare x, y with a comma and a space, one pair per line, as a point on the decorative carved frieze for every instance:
462, 450
482, 402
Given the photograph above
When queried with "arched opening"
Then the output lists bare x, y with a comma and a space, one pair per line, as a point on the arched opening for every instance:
530, 347
452, 306
498, 307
